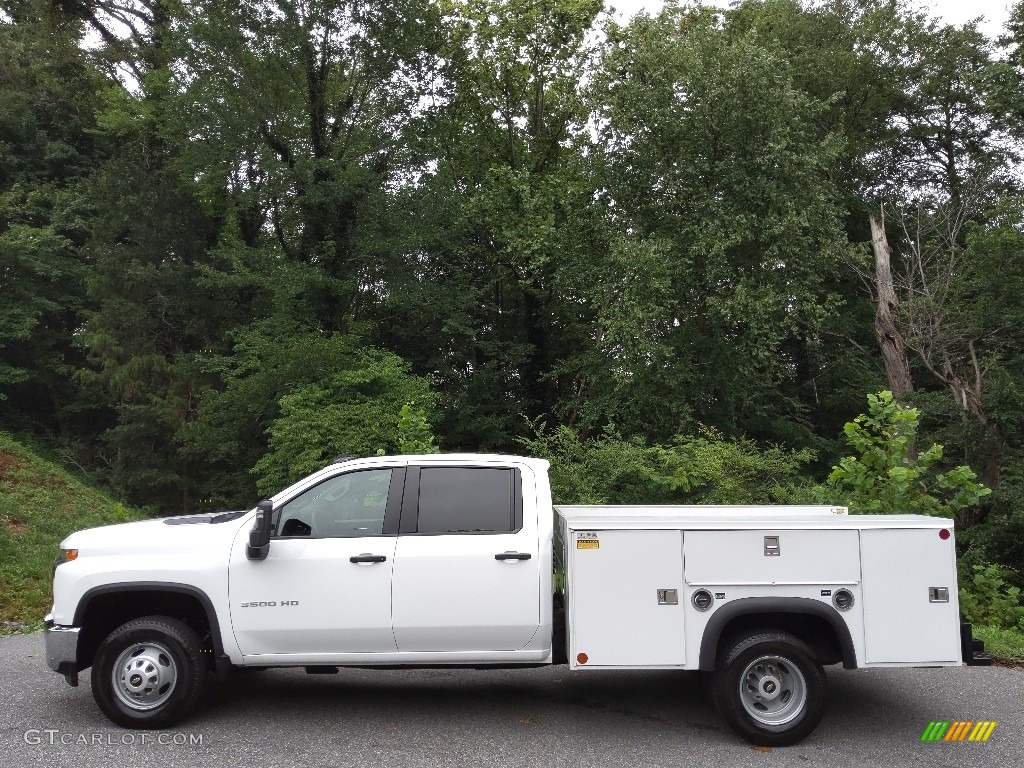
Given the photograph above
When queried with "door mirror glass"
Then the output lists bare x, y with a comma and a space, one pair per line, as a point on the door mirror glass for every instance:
259, 536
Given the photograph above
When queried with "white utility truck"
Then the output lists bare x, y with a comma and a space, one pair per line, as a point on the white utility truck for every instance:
448, 560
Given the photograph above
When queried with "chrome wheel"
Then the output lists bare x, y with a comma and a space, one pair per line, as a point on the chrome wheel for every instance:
144, 676
773, 690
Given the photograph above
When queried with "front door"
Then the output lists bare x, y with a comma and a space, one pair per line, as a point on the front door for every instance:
325, 587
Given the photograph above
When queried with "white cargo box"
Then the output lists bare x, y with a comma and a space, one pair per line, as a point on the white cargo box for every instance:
632, 573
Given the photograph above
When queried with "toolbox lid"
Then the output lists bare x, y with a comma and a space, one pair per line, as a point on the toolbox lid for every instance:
740, 517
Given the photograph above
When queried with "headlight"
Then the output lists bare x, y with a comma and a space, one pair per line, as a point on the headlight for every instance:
65, 556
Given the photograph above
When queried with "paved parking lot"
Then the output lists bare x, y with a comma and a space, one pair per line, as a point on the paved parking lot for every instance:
538, 717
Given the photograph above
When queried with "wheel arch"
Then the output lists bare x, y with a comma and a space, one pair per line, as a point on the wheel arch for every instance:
819, 625
103, 608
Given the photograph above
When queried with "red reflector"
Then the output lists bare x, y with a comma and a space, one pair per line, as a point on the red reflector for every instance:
944, 534
582, 658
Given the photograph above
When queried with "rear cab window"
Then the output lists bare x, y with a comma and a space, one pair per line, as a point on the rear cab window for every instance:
473, 500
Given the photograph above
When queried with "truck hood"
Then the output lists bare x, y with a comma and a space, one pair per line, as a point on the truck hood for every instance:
163, 533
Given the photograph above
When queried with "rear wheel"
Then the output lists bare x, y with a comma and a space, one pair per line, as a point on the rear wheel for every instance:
770, 689
149, 673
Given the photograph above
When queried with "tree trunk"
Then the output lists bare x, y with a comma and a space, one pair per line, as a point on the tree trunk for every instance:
890, 340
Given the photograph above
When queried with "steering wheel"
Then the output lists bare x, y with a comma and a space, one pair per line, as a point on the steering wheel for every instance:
324, 521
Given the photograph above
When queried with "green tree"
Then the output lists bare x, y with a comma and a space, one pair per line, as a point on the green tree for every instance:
234, 202
492, 217
291, 401
1007, 98
304, 111
886, 476
142, 237
989, 303
987, 597
923, 112
723, 236
149, 320
48, 147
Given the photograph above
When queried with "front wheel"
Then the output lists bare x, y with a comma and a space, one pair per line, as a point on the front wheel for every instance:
770, 689
149, 673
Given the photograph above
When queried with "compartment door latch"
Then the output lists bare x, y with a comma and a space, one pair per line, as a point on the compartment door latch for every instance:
668, 597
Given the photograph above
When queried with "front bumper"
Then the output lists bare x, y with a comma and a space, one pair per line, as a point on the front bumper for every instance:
61, 645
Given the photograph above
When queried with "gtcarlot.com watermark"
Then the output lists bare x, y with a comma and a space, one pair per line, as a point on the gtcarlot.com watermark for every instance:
57, 737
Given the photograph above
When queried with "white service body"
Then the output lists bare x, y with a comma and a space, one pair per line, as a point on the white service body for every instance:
619, 560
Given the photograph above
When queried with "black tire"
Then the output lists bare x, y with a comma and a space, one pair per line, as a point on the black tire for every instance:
162, 673
770, 689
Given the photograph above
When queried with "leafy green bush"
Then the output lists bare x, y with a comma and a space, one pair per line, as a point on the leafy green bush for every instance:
354, 406
415, 435
999, 536
702, 469
888, 475
987, 598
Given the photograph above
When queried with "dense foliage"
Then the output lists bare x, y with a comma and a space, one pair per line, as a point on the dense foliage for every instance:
891, 473
238, 238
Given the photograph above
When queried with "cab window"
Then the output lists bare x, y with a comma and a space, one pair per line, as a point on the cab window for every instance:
343, 506
468, 500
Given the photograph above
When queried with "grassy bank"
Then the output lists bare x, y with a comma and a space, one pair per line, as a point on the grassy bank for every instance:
40, 504
1006, 645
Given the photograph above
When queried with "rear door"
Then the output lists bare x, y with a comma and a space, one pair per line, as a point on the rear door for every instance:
467, 565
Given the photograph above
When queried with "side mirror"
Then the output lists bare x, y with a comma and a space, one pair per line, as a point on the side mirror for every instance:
259, 536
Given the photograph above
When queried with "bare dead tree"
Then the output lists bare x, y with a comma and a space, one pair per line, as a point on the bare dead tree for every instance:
887, 311
936, 320
936, 326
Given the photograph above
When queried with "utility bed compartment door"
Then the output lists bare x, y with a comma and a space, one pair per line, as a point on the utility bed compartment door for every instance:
621, 614
901, 621
766, 557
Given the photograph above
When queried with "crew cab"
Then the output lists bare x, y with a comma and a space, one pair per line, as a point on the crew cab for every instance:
450, 560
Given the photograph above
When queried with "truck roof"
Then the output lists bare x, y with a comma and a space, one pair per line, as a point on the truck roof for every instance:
442, 458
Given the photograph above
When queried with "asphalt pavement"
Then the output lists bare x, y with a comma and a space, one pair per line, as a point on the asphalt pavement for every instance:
548, 717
